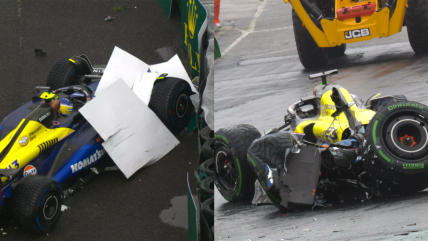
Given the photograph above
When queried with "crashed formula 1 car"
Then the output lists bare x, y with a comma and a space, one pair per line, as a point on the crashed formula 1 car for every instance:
331, 147
48, 149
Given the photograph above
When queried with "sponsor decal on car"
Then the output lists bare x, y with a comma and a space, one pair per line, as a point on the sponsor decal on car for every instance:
23, 141
44, 116
358, 33
330, 107
56, 123
30, 170
14, 165
87, 161
33, 134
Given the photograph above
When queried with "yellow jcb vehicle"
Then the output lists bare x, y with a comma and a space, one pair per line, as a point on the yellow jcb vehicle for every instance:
322, 28
332, 146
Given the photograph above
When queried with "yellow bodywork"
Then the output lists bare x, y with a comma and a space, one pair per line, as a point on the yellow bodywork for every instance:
380, 24
34, 139
331, 129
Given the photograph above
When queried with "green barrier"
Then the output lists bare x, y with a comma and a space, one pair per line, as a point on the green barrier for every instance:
193, 26
192, 124
166, 6
217, 52
192, 214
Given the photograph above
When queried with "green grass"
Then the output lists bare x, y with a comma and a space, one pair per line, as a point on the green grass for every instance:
120, 8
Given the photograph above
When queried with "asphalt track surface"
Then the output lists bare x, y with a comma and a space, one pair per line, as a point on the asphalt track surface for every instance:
260, 75
110, 207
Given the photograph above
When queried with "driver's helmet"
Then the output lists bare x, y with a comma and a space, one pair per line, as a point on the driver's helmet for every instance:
66, 107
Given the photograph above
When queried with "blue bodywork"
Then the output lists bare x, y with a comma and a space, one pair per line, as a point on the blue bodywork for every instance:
85, 142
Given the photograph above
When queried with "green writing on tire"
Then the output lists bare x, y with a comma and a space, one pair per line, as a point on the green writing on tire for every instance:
391, 107
238, 193
272, 197
221, 137
385, 157
413, 166
251, 160
374, 133
381, 116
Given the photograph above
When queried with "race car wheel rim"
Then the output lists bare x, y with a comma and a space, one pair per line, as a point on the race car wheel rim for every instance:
50, 207
226, 169
182, 106
407, 138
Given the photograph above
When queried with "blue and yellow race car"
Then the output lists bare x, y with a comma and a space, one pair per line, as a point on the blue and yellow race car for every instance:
48, 149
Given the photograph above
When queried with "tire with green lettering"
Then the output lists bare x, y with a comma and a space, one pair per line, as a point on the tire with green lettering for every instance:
233, 175
396, 151
265, 155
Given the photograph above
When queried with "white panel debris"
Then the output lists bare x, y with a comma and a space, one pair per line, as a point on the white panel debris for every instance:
134, 136
174, 68
122, 65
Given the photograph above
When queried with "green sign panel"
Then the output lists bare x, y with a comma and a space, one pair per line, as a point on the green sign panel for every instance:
194, 22
166, 6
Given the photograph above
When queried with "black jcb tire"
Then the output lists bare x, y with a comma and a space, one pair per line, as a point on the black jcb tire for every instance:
310, 55
207, 186
62, 74
337, 51
37, 204
207, 167
171, 103
396, 151
208, 149
417, 25
207, 134
269, 150
234, 177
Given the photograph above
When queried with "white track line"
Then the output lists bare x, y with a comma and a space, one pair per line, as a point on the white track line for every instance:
250, 29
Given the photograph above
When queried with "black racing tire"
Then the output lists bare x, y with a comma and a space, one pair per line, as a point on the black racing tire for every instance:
171, 103
62, 74
337, 51
234, 177
396, 150
208, 208
207, 167
208, 149
310, 55
207, 186
269, 150
207, 134
37, 204
417, 25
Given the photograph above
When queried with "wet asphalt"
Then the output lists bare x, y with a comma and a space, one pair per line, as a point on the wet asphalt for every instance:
260, 75
110, 207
